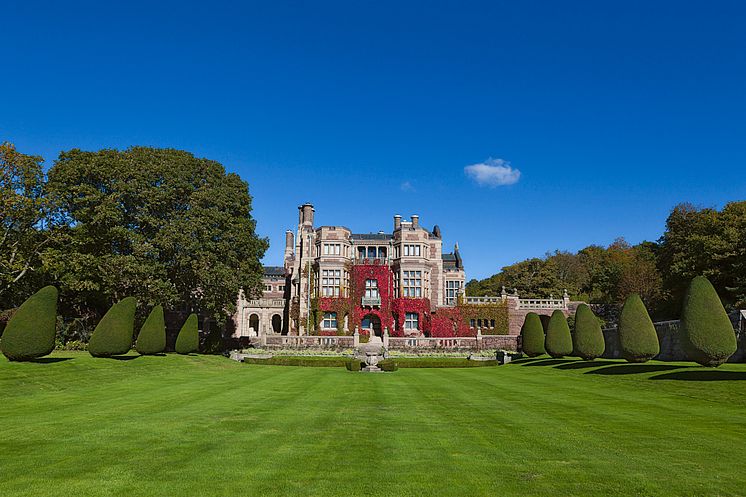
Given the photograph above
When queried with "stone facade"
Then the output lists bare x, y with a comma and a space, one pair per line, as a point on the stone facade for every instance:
334, 281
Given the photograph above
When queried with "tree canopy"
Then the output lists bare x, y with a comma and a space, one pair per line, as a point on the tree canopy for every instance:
157, 224
695, 242
22, 211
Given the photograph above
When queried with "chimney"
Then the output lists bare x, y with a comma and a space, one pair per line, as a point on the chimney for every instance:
415, 221
397, 222
306, 215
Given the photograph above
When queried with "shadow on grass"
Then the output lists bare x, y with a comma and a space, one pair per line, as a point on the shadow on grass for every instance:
549, 362
124, 357
702, 375
527, 360
50, 360
584, 364
633, 369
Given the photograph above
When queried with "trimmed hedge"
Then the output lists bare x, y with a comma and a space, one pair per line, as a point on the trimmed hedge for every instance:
532, 335
558, 342
588, 339
113, 334
707, 335
152, 337
637, 337
30, 332
401, 362
354, 365
188, 339
388, 365
321, 362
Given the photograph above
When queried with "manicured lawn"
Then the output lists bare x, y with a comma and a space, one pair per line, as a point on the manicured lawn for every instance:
206, 426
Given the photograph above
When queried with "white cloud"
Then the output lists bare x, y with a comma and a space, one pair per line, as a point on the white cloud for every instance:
407, 187
493, 172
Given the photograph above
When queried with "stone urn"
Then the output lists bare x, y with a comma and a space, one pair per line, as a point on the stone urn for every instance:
371, 353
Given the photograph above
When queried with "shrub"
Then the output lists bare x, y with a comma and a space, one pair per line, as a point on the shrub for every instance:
152, 337
354, 365
310, 361
113, 334
30, 332
388, 365
532, 335
588, 339
188, 339
558, 341
213, 344
707, 334
637, 337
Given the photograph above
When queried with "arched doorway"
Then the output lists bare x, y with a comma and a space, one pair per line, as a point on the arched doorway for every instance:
254, 325
372, 323
277, 324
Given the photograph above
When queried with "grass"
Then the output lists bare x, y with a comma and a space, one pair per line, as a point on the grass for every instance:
206, 426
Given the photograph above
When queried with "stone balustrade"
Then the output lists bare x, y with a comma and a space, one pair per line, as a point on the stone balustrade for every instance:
542, 304
275, 303
480, 342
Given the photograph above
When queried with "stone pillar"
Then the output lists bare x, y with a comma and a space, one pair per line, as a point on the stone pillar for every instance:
356, 338
386, 337
479, 338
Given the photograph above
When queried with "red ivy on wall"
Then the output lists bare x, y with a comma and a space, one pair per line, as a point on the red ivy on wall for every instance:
382, 273
443, 323
448, 322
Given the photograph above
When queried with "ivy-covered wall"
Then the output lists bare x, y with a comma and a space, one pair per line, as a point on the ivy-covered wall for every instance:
441, 323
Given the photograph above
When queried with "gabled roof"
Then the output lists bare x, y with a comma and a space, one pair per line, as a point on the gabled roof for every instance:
372, 236
274, 271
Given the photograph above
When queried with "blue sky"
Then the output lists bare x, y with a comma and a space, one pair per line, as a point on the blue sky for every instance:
612, 112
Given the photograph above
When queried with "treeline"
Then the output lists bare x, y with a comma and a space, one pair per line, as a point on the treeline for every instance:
696, 241
159, 225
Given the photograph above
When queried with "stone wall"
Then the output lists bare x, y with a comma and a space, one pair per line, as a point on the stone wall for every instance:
670, 343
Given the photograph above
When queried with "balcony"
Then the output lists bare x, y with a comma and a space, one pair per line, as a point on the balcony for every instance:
276, 303
370, 261
370, 301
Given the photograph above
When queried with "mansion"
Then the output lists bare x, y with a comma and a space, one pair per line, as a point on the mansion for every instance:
401, 284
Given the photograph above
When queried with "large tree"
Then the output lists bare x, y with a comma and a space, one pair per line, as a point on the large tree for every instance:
157, 224
22, 212
705, 242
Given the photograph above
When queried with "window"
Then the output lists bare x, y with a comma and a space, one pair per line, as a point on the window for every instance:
412, 321
330, 320
452, 291
371, 252
492, 323
281, 288
412, 284
371, 289
472, 323
412, 250
267, 288
332, 249
330, 282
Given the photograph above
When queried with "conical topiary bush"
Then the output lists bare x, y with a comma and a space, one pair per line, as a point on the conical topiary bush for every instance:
707, 334
188, 339
113, 334
558, 341
532, 335
30, 332
152, 337
637, 337
588, 339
